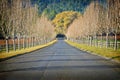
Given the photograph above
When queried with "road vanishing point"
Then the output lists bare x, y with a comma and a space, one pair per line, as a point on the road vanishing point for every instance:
59, 61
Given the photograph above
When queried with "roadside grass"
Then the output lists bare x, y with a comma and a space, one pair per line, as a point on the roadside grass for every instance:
105, 52
4, 55
105, 40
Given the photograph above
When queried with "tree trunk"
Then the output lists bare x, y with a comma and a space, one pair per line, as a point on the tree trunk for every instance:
107, 40
7, 46
32, 41
29, 42
35, 41
90, 40
14, 45
23, 43
40, 41
101, 44
83, 40
18, 43
95, 40
0, 48
115, 42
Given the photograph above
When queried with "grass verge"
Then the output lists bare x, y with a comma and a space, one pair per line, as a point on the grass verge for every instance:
5, 55
104, 52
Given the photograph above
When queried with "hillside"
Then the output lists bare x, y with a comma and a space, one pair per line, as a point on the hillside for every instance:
52, 7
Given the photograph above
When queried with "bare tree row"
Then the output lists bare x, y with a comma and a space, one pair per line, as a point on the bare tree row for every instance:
97, 22
19, 20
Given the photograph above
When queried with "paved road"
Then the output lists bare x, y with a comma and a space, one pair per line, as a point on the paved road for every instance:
59, 62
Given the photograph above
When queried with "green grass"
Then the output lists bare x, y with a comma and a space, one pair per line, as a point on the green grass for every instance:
105, 52
4, 55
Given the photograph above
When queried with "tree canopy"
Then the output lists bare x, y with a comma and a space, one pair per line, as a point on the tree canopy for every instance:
63, 20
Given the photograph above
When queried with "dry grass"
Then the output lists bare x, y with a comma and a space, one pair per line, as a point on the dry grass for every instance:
105, 52
4, 55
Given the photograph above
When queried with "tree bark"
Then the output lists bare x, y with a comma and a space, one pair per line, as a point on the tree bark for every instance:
7, 46
32, 41
107, 40
27, 42
95, 40
0, 48
115, 42
23, 43
18, 43
14, 45
101, 44
90, 40
35, 41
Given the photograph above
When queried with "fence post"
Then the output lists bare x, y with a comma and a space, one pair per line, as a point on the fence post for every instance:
107, 40
0, 48
14, 45
18, 43
7, 46
115, 42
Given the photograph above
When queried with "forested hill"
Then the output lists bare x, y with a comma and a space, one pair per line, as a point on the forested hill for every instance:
52, 7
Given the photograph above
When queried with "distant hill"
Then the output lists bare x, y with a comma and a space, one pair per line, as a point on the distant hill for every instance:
52, 7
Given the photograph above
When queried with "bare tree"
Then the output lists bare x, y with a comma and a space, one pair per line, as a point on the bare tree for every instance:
5, 22
113, 13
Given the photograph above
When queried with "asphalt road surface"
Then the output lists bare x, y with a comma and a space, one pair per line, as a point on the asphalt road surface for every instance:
59, 62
